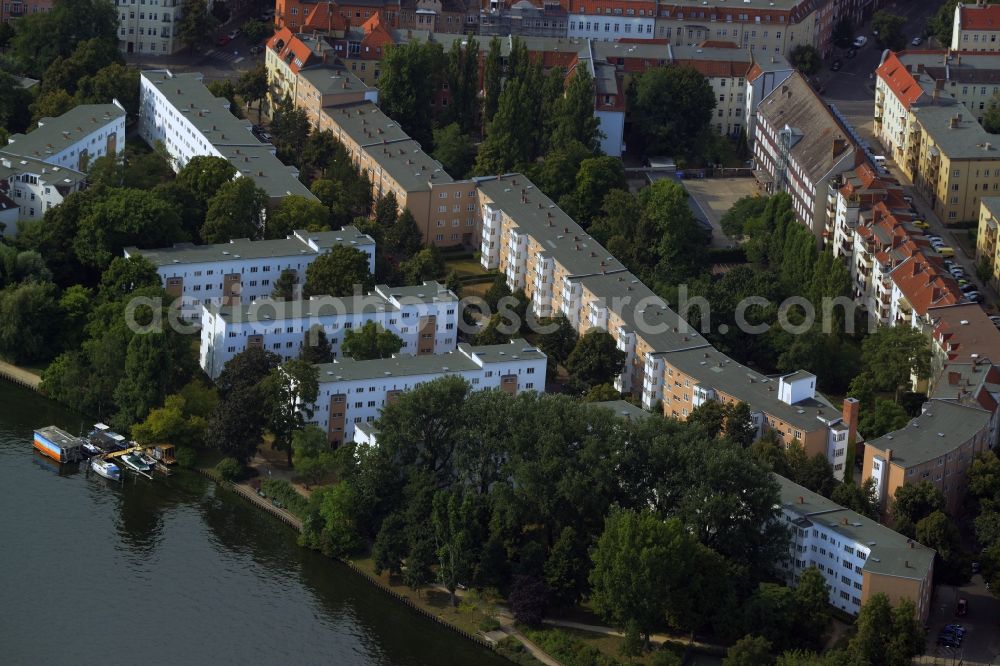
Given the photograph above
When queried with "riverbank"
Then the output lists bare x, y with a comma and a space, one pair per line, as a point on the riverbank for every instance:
20, 376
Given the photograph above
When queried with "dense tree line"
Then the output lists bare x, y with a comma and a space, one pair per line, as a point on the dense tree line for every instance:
461, 486
984, 501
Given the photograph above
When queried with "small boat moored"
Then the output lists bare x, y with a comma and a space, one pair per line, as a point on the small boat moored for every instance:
106, 468
135, 461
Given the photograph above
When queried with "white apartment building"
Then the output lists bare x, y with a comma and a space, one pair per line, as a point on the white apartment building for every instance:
424, 316
625, 20
149, 26
40, 169
242, 270
857, 556
353, 393
179, 111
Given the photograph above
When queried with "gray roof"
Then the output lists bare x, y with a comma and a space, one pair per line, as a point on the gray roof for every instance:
643, 312
392, 148
992, 205
796, 105
243, 248
329, 80
536, 214
54, 135
716, 370
55, 175
942, 427
966, 140
624, 409
892, 554
228, 134
429, 292
964, 383
966, 67
402, 365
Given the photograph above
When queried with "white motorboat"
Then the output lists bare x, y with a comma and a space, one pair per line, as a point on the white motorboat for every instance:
106, 468
133, 461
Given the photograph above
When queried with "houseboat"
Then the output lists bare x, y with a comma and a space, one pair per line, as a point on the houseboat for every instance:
107, 440
58, 444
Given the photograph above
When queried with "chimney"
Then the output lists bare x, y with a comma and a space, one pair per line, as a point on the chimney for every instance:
802, 500
888, 455
920, 68
850, 415
953, 378
839, 145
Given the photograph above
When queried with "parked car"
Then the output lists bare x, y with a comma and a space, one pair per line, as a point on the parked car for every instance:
917, 41
907, 198
860, 41
968, 288
975, 565
234, 34
836, 65
957, 271
973, 297
948, 264
946, 251
920, 224
962, 608
996, 322
265, 137
254, 50
222, 40
268, 15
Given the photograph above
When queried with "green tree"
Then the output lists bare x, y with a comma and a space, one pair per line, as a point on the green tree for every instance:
290, 394
124, 276
296, 212
806, 58
566, 568
771, 613
463, 82
558, 343
284, 286
419, 561
124, 217
597, 176
888, 29
812, 608
857, 498
290, 132
595, 358
912, 502
235, 211
338, 272
492, 80
411, 72
315, 347
171, 424
574, 118
939, 532
405, 236
386, 211
40, 38
252, 87
29, 322
51, 104
426, 264
196, 25
672, 109
991, 119
892, 354
749, 651
205, 175
887, 636
390, 546
147, 378
886, 417
735, 219
454, 150
313, 458
256, 31
116, 81
450, 518
369, 342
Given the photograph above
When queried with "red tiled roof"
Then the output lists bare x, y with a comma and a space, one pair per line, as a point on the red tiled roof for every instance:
981, 18
900, 81
963, 330
323, 17
924, 286
290, 49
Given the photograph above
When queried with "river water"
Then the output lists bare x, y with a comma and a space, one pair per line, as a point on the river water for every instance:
174, 571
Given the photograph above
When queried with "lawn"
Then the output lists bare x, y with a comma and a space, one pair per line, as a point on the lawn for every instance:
465, 266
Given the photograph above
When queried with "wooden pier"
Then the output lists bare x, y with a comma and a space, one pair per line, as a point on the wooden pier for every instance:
19, 376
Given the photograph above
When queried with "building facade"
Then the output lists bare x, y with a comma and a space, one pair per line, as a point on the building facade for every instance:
976, 27
179, 111
938, 447
352, 392
243, 271
149, 28
858, 557
425, 317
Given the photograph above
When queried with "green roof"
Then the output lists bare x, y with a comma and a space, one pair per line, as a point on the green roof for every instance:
385, 142
347, 369
892, 554
942, 427
242, 249
966, 140
624, 409
558, 234
54, 135
717, 371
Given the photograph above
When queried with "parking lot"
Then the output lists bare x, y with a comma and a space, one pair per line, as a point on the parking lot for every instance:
712, 197
981, 643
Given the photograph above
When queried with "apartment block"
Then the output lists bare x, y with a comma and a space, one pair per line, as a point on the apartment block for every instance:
243, 271
986, 237
322, 86
284, 55
969, 77
562, 270
503, 18
853, 193
799, 147
938, 446
976, 27
149, 28
424, 316
353, 393
933, 138
858, 557
179, 111
15, 9
41, 168
612, 20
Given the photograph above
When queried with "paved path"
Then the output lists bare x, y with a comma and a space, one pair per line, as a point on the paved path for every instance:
608, 631
19, 375
507, 625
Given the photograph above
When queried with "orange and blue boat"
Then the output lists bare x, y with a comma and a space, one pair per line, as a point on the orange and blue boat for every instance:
58, 444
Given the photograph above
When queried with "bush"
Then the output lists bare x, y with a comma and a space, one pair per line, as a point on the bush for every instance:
281, 490
186, 457
568, 650
489, 624
229, 469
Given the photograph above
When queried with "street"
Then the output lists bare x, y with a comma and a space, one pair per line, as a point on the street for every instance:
981, 644
852, 91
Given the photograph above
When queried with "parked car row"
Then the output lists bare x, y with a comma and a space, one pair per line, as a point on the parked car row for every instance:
261, 134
